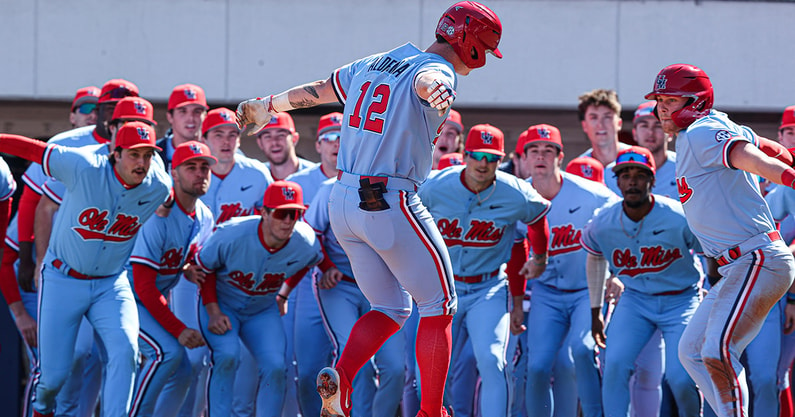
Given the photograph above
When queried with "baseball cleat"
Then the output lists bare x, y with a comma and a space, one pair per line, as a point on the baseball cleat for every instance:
328, 386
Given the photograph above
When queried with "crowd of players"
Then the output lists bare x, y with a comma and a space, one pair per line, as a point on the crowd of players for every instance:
235, 348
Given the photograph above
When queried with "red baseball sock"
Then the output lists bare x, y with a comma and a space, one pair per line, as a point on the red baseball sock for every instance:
785, 399
434, 345
367, 336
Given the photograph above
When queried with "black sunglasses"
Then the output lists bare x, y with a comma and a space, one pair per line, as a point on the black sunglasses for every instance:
281, 214
120, 92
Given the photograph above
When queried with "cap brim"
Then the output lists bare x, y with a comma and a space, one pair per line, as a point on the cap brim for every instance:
289, 206
188, 103
134, 119
623, 165
84, 100
487, 150
143, 145
209, 158
497, 53
786, 125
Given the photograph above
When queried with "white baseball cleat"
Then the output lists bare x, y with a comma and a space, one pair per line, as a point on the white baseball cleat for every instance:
328, 386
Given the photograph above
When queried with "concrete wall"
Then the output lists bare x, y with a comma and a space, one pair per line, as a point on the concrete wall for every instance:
554, 50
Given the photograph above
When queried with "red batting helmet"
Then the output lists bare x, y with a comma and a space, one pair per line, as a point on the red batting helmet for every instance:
683, 80
472, 29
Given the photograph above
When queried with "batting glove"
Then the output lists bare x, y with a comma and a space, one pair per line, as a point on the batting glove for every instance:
441, 96
256, 112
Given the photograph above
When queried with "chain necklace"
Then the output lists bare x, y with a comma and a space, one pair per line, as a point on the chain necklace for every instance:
477, 194
637, 232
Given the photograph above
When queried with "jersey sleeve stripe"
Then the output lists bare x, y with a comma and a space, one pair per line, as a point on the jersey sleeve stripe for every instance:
145, 261
8, 194
590, 250
201, 264
727, 148
45, 163
31, 184
11, 243
338, 90
542, 214
50, 193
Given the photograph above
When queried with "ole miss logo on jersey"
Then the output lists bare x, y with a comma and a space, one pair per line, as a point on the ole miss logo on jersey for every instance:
95, 225
171, 261
481, 233
246, 282
685, 192
229, 210
564, 239
653, 259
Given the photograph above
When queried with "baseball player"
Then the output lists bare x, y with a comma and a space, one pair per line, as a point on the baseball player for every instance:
187, 108
108, 198
646, 242
476, 209
559, 315
600, 116
587, 167
277, 140
306, 322
716, 160
341, 303
84, 107
252, 263
112, 91
156, 264
451, 138
395, 105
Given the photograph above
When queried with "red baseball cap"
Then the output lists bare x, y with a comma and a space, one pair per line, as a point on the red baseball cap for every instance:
134, 108
284, 195
329, 122
788, 118
454, 119
280, 121
134, 135
191, 150
644, 110
116, 89
540, 133
185, 94
485, 138
217, 118
635, 156
588, 168
450, 159
85, 95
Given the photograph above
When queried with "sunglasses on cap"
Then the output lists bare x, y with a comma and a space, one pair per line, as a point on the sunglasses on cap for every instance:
119, 93
329, 137
281, 214
633, 157
86, 108
478, 156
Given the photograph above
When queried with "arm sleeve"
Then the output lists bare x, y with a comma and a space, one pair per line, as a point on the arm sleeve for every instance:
776, 150
144, 278
208, 290
5, 212
538, 234
596, 272
23, 147
516, 282
326, 263
296, 278
27, 213
8, 277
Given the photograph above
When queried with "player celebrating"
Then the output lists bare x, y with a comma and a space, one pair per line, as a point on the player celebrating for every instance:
559, 316
92, 238
156, 264
395, 103
253, 263
187, 109
277, 141
646, 241
716, 162
476, 209
450, 139
600, 116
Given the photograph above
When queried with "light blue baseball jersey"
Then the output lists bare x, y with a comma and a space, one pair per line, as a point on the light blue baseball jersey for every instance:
479, 231
238, 193
310, 179
98, 217
380, 136
165, 243
34, 176
7, 183
651, 256
572, 208
248, 273
589, 151
724, 206
302, 165
317, 217
781, 200
664, 178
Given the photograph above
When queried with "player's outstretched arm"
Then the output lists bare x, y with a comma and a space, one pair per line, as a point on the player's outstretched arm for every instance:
433, 87
747, 157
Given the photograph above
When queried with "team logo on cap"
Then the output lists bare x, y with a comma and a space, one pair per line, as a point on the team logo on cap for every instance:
487, 137
92, 92
543, 133
274, 120
190, 93
143, 133
226, 115
140, 108
587, 171
289, 194
661, 82
195, 148
337, 120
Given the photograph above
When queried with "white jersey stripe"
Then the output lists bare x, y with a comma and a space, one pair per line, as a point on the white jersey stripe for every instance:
151, 369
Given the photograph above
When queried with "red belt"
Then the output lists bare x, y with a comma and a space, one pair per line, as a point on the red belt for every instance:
349, 279
735, 252
474, 279
57, 263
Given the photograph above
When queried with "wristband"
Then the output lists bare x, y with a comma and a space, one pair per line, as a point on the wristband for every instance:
788, 177
280, 103
281, 296
540, 256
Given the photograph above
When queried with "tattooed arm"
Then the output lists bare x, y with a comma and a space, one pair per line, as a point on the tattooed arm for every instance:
258, 111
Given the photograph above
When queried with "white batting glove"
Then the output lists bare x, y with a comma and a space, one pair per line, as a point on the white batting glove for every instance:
256, 112
441, 97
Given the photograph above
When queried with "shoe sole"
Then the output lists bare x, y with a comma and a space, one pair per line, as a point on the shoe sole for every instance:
328, 383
